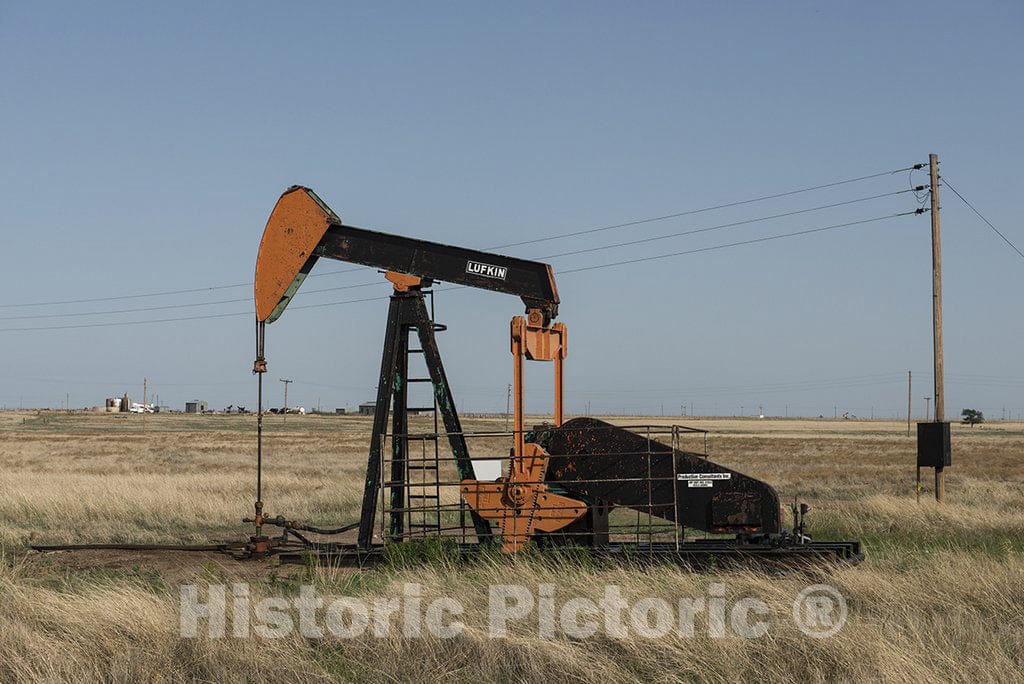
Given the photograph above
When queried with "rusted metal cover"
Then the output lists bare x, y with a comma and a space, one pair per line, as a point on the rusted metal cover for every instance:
592, 459
287, 250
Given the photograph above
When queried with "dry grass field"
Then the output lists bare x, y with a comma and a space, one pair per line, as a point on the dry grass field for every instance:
938, 598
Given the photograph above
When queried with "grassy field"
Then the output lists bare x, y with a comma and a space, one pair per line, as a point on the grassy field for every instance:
938, 597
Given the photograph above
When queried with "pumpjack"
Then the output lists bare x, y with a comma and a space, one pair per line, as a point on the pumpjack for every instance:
566, 481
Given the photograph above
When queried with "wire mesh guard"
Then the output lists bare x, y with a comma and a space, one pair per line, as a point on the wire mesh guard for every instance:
582, 498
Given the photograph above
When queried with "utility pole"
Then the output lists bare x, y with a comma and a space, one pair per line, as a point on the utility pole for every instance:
145, 381
286, 383
835, 411
940, 394
508, 405
940, 404
910, 385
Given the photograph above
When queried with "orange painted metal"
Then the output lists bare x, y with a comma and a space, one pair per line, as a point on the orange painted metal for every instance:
403, 282
560, 376
522, 504
518, 355
541, 342
287, 250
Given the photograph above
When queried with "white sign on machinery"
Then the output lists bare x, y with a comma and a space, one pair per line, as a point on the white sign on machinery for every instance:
701, 480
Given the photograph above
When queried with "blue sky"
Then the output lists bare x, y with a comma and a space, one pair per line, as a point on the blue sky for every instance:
145, 144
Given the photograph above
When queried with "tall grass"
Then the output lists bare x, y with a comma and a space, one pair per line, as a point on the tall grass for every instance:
938, 597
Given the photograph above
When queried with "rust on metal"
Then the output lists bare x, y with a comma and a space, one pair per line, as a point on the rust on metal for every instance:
287, 250
598, 461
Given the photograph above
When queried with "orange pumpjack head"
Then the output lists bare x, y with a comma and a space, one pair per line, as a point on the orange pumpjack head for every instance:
287, 251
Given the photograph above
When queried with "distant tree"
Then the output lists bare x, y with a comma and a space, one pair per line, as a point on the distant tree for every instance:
972, 417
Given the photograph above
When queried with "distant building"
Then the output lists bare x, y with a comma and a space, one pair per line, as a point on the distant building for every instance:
340, 411
195, 406
368, 408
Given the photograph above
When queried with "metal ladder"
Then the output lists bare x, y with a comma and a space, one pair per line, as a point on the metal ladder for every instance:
424, 517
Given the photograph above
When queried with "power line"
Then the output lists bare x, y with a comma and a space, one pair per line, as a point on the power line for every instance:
178, 306
185, 318
552, 256
118, 323
665, 217
513, 244
459, 287
724, 225
742, 242
998, 232
122, 311
131, 296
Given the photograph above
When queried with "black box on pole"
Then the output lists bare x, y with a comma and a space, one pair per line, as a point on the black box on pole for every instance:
933, 446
